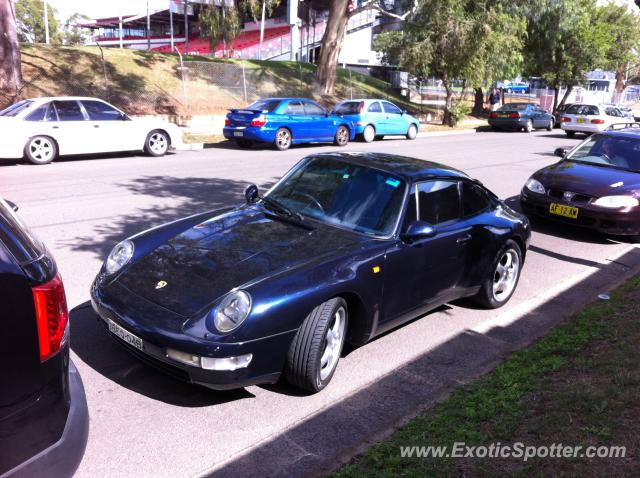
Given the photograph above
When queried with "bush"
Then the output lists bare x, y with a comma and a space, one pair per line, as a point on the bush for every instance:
455, 113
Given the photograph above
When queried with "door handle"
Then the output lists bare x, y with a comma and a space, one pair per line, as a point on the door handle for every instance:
463, 239
56, 127
96, 125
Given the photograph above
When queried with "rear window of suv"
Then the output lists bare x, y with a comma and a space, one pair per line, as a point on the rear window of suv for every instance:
16, 236
587, 110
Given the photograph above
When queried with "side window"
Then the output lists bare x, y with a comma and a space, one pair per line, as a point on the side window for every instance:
434, 202
69, 111
474, 199
375, 107
294, 108
45, 112
99, 111
391, 108
313, 109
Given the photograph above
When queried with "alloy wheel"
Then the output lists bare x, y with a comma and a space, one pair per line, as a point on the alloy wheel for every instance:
333, 344
41, 150
505, 275
283, 139
158, 143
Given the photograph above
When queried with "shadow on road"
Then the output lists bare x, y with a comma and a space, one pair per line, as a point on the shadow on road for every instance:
332, 436
198, 194
90, 341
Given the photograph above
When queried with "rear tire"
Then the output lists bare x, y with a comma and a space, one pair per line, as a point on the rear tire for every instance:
283, 139
412, 132
41, 150
369, 133
570, 134
550, 125
157, 143
498, 288
342, 136
315, 351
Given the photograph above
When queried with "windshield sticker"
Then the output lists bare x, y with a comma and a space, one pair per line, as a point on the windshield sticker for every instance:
393, 182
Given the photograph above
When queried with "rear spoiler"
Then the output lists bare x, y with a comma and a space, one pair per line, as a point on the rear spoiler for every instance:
246, 111
617, 126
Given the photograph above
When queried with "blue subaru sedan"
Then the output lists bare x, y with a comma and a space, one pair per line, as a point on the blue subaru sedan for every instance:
377, 118
286, 121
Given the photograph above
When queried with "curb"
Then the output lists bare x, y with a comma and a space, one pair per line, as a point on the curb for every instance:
427, 134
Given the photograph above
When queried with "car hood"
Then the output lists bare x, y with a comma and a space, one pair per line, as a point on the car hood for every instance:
587, 179
230, 251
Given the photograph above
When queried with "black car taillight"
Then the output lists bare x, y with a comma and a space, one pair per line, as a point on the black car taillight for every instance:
51, 316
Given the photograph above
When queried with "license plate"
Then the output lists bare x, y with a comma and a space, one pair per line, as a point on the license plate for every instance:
581, 120
125, 335
238, 133
503, 116
562, 210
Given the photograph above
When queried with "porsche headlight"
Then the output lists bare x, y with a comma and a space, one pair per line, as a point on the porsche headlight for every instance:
535, 186
616, 201
232, 311
118, 257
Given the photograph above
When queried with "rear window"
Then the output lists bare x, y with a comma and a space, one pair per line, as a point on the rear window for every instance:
514, 107
348, 108
586, 110
14, 110
265, 106
16, 236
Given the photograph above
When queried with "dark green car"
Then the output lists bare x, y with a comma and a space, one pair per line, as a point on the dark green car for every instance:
521, 116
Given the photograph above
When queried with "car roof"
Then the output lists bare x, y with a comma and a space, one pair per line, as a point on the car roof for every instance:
410, 169
285, 99
633, 133
63, 98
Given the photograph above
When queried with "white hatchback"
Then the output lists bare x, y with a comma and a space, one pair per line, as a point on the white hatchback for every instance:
41, 129
583, 118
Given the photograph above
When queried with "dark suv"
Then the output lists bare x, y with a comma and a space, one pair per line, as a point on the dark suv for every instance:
44, 421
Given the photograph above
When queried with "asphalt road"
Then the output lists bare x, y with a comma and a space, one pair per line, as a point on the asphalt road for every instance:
146, 424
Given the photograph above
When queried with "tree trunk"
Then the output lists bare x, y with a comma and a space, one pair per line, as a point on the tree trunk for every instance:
478, 102
447, 117
555, 97
566, 94
331, 45
10, 63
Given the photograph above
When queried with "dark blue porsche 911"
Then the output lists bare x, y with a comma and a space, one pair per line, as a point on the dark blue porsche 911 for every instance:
343, 248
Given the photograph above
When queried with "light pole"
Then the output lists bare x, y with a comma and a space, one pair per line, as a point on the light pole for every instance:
148, 28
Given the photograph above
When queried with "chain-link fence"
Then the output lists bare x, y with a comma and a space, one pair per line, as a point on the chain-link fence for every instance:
141, 83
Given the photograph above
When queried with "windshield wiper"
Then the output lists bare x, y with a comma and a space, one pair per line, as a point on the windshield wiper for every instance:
280, 208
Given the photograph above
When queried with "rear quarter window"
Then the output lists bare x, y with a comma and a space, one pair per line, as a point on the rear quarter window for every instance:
17, 238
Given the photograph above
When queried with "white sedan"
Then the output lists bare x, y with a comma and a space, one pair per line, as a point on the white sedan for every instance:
584, 118
41, 129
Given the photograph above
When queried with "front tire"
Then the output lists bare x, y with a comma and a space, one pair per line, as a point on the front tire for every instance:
412, 132
41, 150
314, 353
342, 136
283, 139
369, 133
157, 143
528, 128
498, 288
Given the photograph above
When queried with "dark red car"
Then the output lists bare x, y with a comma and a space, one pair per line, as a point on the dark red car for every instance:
595, 185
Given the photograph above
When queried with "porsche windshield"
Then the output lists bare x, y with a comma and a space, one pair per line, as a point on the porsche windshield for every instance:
346, 195
614, 151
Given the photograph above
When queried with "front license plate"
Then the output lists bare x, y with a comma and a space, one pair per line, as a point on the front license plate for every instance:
125, 335
581, 120
562, 210
238, 133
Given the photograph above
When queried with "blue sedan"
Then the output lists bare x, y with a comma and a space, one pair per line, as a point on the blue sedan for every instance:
521, 116
377, 118
345, 247
286, 121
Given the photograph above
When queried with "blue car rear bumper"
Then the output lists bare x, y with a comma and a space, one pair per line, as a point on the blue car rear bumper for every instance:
263, 134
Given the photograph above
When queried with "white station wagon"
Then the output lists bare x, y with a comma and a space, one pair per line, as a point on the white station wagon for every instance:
590, 118
41, 129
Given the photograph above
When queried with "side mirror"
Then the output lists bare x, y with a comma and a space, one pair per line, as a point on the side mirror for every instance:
12, 205
418, 230
251, 193
124, 117
561, 152
403, 112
